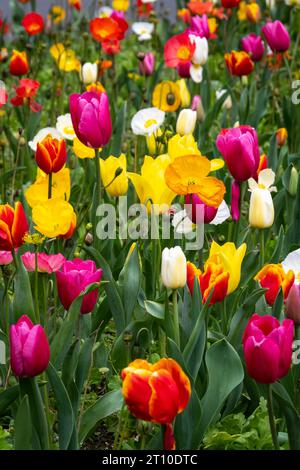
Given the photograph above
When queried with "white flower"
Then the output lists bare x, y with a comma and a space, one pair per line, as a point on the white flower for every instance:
201, 52
196, 72
181, 222
147, 121
261, 209
148, 1
105, 12
143, 30
186, 122
227, 103
222, 214
65, 127
42, 134
292, 262
88, 73
173, 267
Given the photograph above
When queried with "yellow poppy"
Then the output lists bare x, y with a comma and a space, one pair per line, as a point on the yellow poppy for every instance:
38, 191
120, 5
231, 259
151, 185
114, 176
57, 14
166, 96
81, 150
188, 175
53, 218
65, 58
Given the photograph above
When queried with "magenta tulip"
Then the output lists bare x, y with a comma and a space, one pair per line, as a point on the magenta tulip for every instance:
147, 63
73, 279
192, 202
184, 70
277, 36
239, 148
235, 200
200, 27
45, 263
254, 46
29, 348
91, 118
292, 304
268, 348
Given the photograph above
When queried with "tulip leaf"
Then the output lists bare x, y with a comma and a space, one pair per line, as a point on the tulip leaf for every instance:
108, 404
290, 413
261, 101
7, 397
66, 419
278, 249
278, 305
155, 309
23, 426
130, 282
225, 373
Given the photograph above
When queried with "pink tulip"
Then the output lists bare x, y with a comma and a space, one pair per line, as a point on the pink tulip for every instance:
277, 36
45, 263
91, 118
74, 277
29, 348
192, 202
292, 304
254, 46
199, 26
239, 148
147, 63
5, 257
195, 102
268, 348
235, 200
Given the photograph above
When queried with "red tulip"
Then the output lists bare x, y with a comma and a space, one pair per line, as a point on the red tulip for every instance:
13, 226
273, 277
51, 155
230, 3
18, 64
29, 348
268, 348
239, 63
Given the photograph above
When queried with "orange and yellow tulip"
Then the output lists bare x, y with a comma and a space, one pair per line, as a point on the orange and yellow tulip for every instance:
273, 277
13, 226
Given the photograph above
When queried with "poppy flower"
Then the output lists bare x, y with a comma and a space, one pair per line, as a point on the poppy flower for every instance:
166, 96
33, 23
25, 93
179, 50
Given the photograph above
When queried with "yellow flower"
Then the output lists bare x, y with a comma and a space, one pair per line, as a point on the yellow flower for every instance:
242, 11
57, 14
185, 95
154, 146
188, 175
212, 25
166, 96
81, 150
253, 12
65, 58
53, 218
151, 183
231, 259
38, 191
97, 87
120, 5
114, 176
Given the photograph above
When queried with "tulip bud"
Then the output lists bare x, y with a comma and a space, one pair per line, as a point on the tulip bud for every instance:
281, 136
147, 64
19, 64
292, 304
173, 267
51, 155
293, 183
186, 122
197, 106
88, 73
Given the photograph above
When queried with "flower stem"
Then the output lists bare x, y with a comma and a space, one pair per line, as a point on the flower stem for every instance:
36, 286
98, 177
272, 418
49, 185
176, 318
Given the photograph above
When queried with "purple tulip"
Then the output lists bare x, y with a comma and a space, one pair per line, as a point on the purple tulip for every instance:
254, 46
292, 304
91, 118
74, 277
192, 202
277, 36
29, 348
239, 148
199, 26
147, 63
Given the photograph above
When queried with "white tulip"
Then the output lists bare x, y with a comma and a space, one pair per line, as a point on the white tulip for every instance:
201, 51
173, 267
227, 103
261, 210
88, 73
186, 122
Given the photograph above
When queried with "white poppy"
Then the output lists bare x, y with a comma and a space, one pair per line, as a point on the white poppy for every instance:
105, 12
65, 127
222, 214
261, 209
143, 30
196, 72
147, 121
181, 222
42, 134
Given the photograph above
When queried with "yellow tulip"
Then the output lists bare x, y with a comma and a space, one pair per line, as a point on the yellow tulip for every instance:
154, 147
231, 259
81, 150
120, 5
114, 176
65, 58
178, 146
184, 93
151, 183
38, 191
53, 218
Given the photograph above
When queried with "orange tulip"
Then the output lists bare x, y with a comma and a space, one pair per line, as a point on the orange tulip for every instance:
213, 277
281, 136
239, 63
253, 12
51, 155
263, 164
19, 63
156, 392
13, 226
273, 277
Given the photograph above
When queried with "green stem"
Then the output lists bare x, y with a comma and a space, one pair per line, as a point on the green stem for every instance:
272, 418
176, 318
98, 177
49, 185
262, 247
36, 287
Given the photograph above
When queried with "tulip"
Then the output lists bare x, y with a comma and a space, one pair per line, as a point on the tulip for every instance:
146, 64
200, 55
13, 226
173, 268
73, 279
184, 70
45, 263
281, 136
5, 257
206, 215
91, 118
254, 46
200, 26
198, 106
292, 304
29, 348
239, 63
89, 73
156, 392
230, 3
33, 23
253, 13
273, 277
113, 175
231, 259
268, 348
185, 95
186, 122
277, 36
261, 209
19, 64
294, 181
240, 149
227, 103
51, 155
213, 278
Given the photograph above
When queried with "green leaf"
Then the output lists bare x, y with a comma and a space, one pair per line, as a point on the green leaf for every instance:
278, 249
130, 282
4, 444
108, 404
116, 143
290, 413
155, 309
23, 426
7, 397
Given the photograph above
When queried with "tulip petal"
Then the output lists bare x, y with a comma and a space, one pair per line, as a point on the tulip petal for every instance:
164, 402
